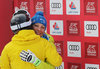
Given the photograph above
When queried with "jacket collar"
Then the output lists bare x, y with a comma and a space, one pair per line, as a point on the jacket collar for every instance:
25, 35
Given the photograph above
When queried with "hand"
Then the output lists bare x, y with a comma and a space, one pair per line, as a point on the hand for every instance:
28, 56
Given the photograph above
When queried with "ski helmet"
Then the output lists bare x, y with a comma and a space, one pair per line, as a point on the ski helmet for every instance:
20, 20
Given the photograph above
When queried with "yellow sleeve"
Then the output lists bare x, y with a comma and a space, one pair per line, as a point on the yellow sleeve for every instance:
5, 60
52, 55
45, 65
51, 40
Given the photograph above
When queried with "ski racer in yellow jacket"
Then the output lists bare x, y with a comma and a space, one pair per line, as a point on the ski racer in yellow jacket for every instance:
26, 40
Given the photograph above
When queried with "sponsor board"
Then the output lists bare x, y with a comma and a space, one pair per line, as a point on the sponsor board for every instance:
91, 66
39, 5
91, 28
55, 6
74, 66
90, 7
91, 50
74, 49
59, 47
22, 4
73, 7
56, 27
73, 28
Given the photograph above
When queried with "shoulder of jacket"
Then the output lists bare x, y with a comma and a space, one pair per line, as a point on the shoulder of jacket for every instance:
8, 45
51, 39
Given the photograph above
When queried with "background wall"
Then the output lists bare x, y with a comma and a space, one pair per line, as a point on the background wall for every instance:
6, 10
74, 24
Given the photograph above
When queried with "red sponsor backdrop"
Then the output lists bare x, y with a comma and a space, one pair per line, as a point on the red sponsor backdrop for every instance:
89, 11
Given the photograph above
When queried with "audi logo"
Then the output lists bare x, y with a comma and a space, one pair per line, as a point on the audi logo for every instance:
91, 68
56, 5
74, 47
91, 27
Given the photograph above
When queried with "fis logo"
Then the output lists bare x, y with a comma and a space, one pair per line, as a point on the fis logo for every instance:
55, 26
72, 5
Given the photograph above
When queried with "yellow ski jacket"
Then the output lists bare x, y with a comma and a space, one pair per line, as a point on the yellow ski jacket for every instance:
24, 40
